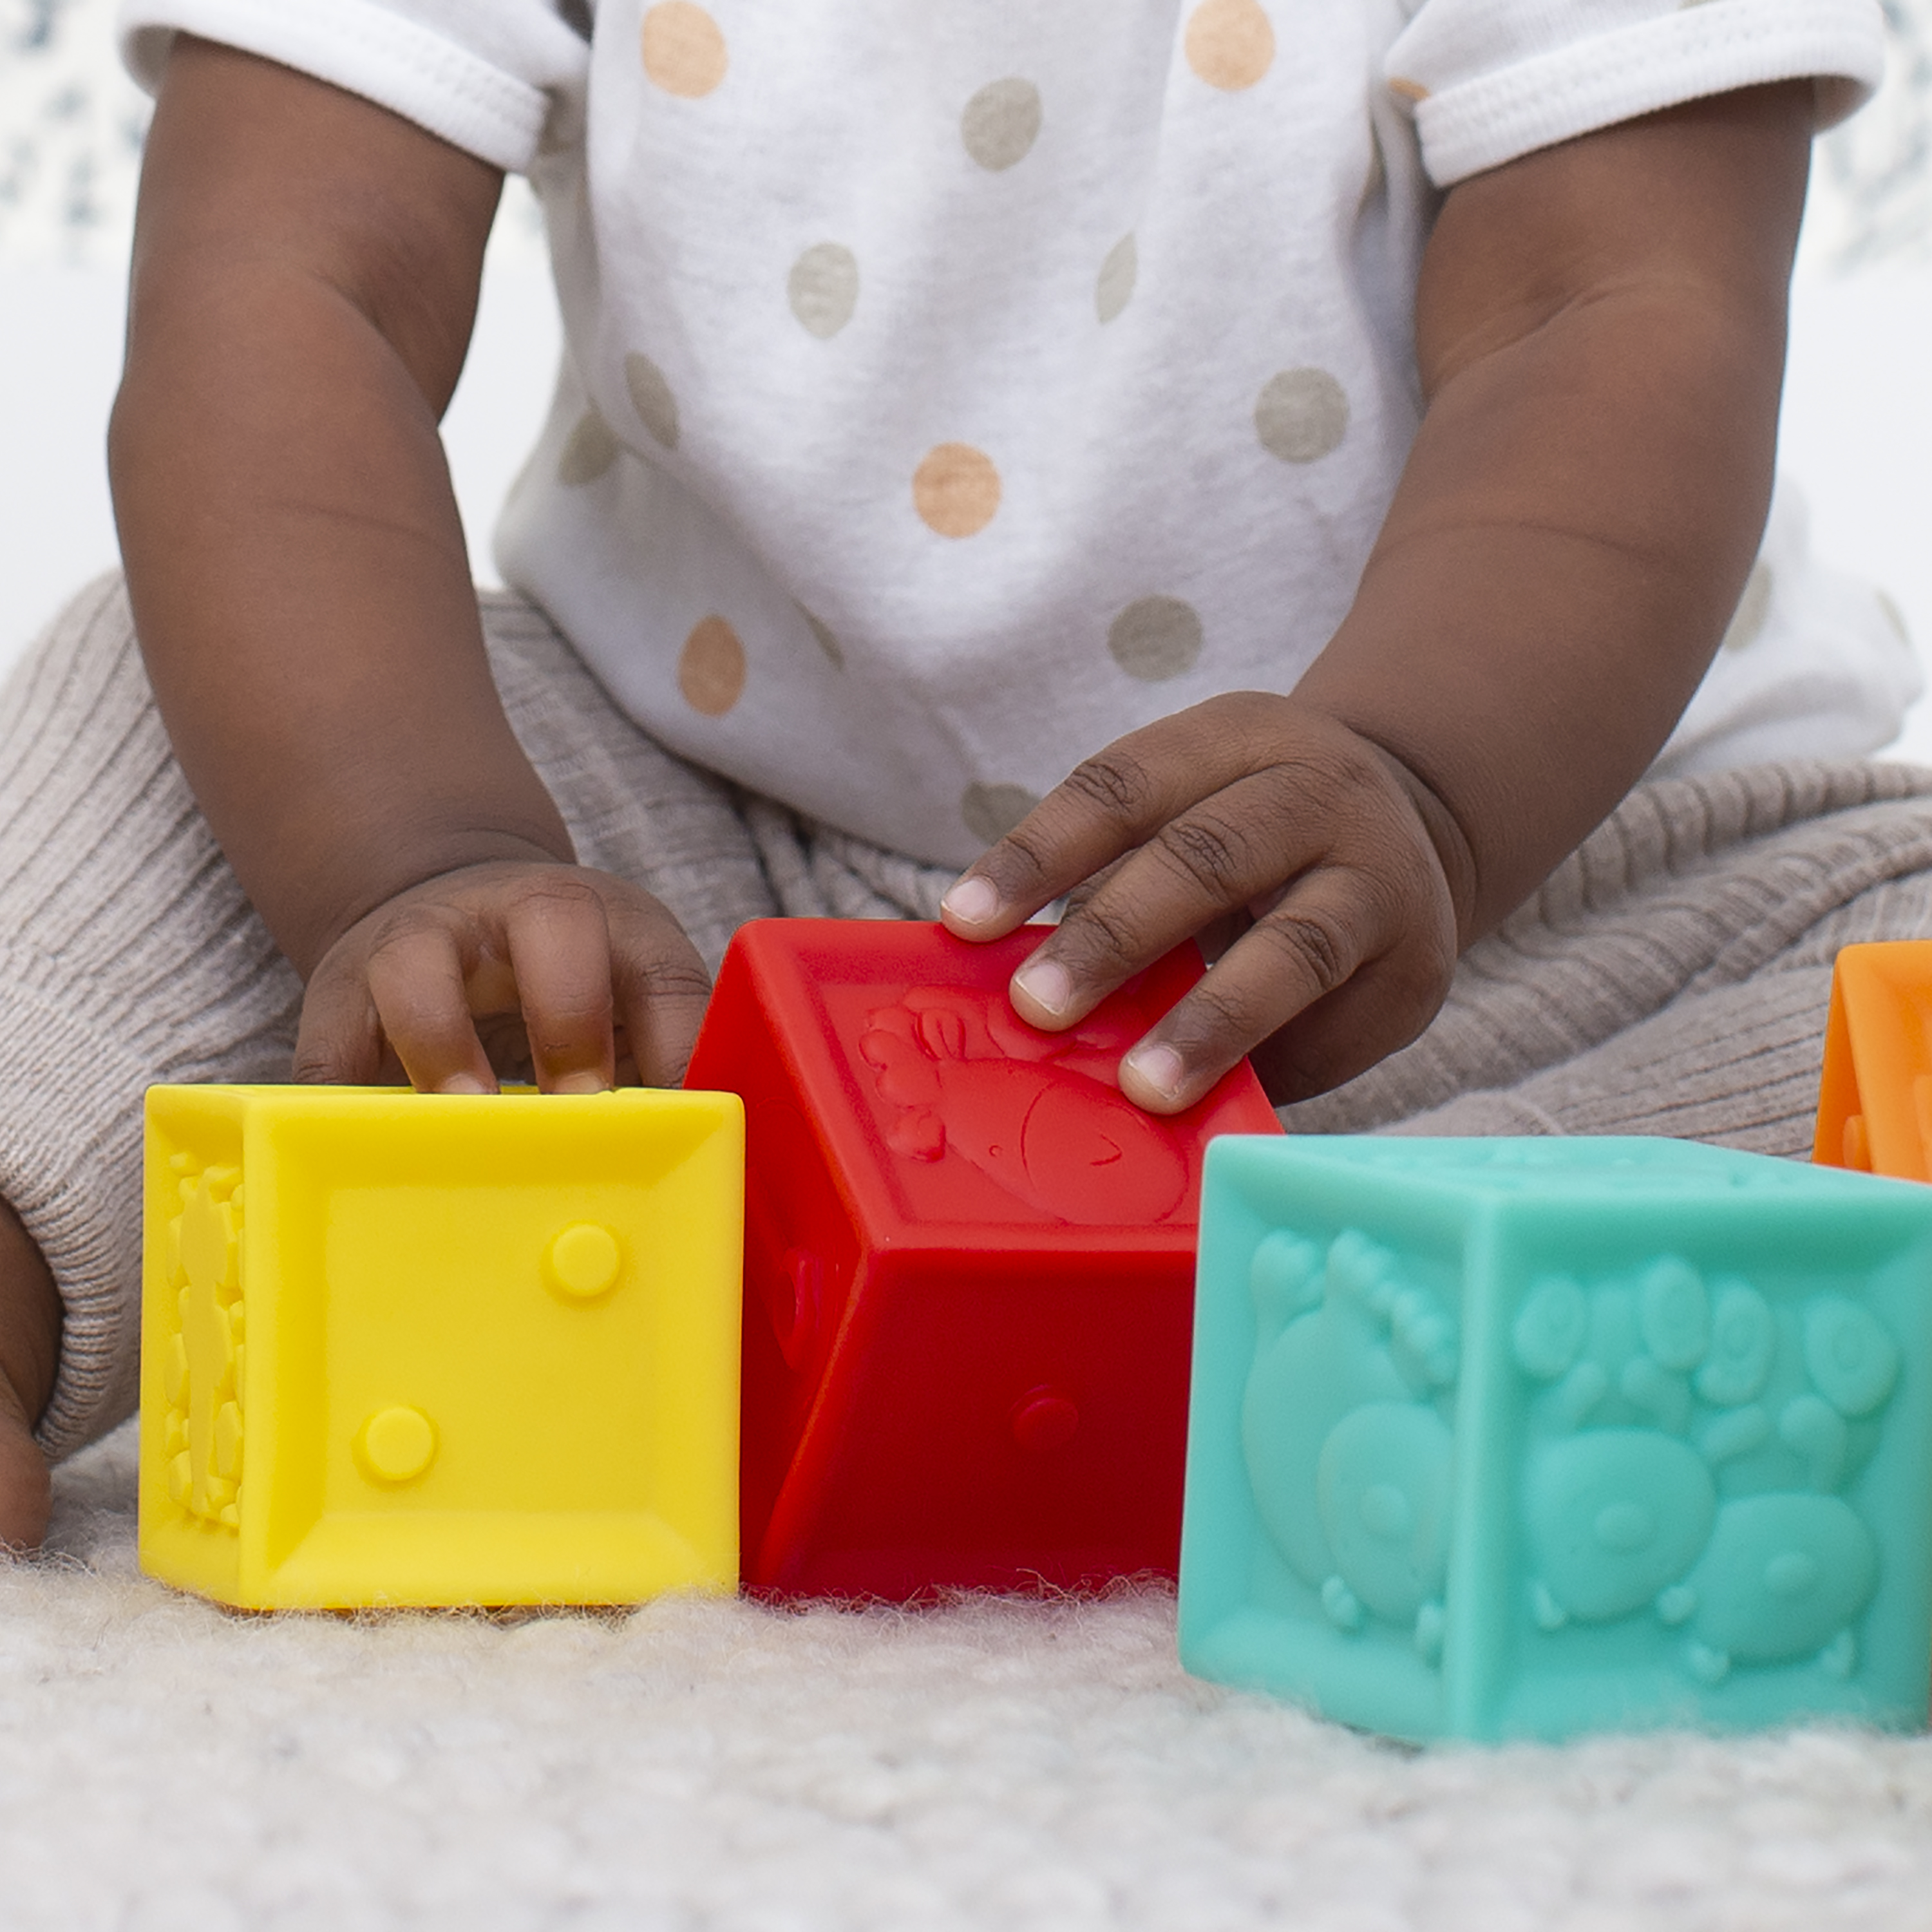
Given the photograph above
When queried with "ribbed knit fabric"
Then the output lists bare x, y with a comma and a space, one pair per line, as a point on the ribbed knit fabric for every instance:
127, 955
1670, 978
1672, 975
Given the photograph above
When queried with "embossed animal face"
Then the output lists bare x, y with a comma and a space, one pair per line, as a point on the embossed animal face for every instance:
1348, 1456
1615, 1516
1037, 1113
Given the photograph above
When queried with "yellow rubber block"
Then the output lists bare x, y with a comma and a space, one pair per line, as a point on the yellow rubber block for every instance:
405, 1348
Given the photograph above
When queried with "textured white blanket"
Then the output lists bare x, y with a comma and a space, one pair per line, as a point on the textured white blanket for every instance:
164, 1764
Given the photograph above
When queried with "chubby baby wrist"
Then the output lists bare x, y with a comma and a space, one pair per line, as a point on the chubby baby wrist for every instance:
318, 928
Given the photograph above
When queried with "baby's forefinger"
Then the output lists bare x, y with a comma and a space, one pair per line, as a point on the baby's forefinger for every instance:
415, 973
1328, 923
662, 988
1220, 856
559, 945
1109, 804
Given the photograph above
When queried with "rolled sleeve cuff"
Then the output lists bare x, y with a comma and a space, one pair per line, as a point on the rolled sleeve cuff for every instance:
1473, 121
71, 1167
449, 89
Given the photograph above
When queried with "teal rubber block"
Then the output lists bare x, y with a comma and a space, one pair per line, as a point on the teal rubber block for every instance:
1501, 1438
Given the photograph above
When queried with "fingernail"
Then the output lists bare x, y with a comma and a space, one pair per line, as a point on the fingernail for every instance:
1159, 1067
971, 900
1047, 983
463, 1083
581, 1083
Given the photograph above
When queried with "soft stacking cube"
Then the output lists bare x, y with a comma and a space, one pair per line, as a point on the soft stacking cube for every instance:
1875, 1100
406, 1348
969, 1265
1500, 1438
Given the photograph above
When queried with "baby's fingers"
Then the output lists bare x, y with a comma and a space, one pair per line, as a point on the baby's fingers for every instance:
1228, 852
662, 989
339, 1042
415, 973
1108, 805
1384, 1007
560, 954
1314, 943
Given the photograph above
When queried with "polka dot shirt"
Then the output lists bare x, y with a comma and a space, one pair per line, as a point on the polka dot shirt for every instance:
946, 393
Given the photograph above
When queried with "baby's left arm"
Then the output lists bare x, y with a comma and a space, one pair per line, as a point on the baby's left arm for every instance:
1600, 338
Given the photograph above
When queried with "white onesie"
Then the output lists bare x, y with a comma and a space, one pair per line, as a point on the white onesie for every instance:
951, 389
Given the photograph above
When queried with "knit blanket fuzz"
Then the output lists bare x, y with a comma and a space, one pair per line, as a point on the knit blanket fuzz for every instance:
693, 1764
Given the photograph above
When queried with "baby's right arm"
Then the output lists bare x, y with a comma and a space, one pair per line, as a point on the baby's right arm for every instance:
305, 276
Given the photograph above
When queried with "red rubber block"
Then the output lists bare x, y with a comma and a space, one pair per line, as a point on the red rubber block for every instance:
969, 1266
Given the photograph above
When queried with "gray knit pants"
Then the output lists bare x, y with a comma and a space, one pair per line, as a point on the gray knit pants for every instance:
1671, 978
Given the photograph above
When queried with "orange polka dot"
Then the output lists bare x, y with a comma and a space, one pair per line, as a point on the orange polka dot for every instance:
1230, 43
955, 490
684, 52
711, 668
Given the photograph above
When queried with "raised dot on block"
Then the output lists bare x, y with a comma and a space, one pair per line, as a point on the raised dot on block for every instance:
1044, 1419
793, 1304
396, 1445
583, 1261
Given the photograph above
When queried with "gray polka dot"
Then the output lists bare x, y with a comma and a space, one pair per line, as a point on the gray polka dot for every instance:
588, 452
823, 288
825, 638
1301, 414
1377, 180
1111, 293
651, 398
1753, 606
1156, 637
1001, 122
991, 810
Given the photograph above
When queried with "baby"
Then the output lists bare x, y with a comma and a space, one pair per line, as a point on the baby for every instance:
1273, 471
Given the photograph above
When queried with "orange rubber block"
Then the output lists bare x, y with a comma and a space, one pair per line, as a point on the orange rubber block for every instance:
1875, 1100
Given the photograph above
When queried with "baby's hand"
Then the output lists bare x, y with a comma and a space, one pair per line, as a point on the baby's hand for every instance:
1250, 815
1599, 336
575, 979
